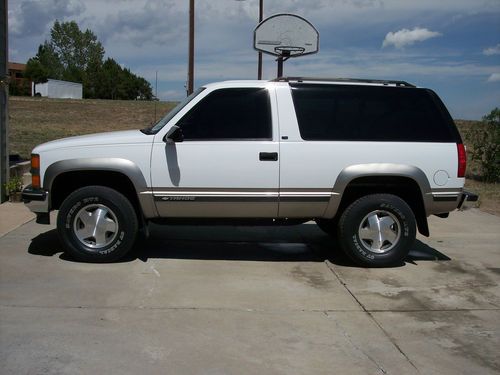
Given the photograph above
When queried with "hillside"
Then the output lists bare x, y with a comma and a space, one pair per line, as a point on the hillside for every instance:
36, 120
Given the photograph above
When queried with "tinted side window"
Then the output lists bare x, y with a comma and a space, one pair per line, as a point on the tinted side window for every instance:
240, 113
364, 113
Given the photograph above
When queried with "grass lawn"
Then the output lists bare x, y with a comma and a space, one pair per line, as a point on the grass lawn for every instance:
37, 120
489, 195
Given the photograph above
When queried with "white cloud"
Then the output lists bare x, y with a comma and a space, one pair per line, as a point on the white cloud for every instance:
495, 50
495, 77
30, 17
405, 37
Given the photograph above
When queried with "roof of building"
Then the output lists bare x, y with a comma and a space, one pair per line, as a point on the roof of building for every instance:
16, 66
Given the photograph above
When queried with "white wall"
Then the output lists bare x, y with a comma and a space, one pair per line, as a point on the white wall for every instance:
54, 88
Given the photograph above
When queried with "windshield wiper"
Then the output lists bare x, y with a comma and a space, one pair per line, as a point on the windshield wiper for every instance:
148, 130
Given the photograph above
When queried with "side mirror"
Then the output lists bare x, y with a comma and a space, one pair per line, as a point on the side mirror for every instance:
174, 135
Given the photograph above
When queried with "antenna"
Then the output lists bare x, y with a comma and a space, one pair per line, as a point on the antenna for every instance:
156, 92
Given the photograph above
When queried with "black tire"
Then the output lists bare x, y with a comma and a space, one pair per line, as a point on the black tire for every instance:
386, 218
114, 216
329, 226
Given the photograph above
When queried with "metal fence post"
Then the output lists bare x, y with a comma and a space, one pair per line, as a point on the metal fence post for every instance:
4, 92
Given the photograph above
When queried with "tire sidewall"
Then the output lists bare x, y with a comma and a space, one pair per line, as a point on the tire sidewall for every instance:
125, 215
351, 221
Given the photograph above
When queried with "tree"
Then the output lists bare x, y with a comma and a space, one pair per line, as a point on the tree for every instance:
35, 72
77, 56
79, 52
118, 83
49, 59
76, 49
485, 142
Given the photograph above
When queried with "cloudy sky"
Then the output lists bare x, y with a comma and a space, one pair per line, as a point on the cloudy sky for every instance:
451, 46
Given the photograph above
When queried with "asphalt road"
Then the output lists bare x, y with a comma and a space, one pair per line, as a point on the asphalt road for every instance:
236, 300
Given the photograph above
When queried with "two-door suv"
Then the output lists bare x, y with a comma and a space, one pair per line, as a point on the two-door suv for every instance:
368, 160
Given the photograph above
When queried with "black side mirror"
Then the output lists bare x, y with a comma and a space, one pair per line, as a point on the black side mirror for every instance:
174, 135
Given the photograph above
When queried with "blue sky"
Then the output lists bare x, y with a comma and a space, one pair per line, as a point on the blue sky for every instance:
451, 46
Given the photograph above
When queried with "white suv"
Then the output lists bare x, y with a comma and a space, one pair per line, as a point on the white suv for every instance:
368, 160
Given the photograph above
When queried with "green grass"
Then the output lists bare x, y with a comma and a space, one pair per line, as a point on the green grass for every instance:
489, 195
37, 120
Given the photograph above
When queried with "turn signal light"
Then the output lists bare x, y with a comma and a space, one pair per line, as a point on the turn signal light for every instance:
35, 161
35, 182
35, 171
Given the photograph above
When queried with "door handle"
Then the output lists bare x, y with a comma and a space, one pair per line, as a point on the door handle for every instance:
268, 156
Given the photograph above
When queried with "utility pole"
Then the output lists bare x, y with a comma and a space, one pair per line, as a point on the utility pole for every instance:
4, 134
191, 48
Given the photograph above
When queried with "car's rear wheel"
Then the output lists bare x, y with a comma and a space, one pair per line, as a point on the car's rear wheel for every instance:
97, 224
377, 230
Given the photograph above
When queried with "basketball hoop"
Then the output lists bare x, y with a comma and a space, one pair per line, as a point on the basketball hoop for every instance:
286, 35
289, 51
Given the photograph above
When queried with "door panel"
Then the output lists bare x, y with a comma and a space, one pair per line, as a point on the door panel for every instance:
227, 166
215, 179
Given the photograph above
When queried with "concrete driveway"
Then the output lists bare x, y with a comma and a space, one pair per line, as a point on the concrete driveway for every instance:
236, 300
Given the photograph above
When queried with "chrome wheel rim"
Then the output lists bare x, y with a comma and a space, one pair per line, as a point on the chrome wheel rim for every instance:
379, 231
95, 226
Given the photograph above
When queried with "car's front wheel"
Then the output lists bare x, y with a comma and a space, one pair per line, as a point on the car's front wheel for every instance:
377, 230
97, 224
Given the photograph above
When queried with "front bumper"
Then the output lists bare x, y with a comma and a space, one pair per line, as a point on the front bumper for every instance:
37, 200
467, 196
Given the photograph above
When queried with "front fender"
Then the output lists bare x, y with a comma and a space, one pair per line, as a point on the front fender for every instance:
120, 165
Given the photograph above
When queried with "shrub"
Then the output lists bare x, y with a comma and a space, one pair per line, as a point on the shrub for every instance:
15, 184
484, 140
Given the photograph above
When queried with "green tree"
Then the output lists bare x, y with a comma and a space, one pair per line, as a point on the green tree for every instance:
50, 61
118, 83
75, 48
109, 79
485, 144
75, 55
80, 54
36, 72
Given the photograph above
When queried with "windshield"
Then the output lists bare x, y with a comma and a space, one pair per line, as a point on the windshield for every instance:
160, 124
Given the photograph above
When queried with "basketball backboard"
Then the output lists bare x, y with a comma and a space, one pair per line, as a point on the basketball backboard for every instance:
286, 35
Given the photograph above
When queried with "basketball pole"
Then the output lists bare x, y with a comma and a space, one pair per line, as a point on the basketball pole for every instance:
261, 16
285, 55
280, 66
191, 49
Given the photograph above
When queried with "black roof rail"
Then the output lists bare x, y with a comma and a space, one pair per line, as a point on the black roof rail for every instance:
349, 80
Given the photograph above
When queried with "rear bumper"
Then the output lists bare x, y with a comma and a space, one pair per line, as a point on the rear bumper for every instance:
467, 196
37, 200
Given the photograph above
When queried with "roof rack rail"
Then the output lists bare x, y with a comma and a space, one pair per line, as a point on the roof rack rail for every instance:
351, 80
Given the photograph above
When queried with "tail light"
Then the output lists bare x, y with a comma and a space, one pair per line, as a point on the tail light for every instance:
462, 160
35, 171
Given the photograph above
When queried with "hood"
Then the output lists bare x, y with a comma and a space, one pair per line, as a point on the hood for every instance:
108, 138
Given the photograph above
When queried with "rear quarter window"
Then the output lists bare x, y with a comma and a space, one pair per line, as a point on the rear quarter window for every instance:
370, 113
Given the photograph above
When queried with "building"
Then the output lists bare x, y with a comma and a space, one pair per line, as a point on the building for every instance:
16, 71
54, 88
18, 85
